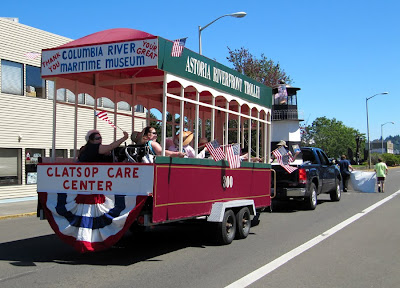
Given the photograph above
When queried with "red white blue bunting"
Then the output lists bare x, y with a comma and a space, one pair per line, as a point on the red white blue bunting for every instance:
90, 222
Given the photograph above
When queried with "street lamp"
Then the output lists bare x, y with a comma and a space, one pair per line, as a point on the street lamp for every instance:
382, 132
369, 143
236, 15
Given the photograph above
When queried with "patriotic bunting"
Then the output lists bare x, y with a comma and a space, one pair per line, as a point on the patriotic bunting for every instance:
93, 222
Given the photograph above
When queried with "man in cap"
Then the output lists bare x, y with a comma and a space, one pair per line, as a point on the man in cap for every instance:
281, 146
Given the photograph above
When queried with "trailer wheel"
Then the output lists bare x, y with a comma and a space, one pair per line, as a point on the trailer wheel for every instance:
243, 223
226, 230
311, 201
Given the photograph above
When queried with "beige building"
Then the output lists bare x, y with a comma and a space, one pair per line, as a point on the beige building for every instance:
26, 105
377, 146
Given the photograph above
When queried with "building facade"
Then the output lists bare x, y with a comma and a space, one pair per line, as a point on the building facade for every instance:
378, 147
26, 105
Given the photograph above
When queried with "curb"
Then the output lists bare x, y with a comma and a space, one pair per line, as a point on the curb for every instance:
17, 215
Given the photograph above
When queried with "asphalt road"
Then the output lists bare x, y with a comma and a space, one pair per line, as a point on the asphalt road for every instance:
362, 252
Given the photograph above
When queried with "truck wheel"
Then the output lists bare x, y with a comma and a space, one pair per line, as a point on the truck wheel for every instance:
243, 223
226, 230
311, 201
335, 194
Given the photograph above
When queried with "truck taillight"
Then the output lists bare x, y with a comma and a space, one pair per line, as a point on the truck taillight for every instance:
302, 176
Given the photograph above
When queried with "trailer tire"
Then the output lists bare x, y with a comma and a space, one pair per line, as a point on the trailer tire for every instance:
226, 229
243, 223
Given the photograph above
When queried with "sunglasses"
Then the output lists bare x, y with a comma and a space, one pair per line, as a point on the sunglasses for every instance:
97, 138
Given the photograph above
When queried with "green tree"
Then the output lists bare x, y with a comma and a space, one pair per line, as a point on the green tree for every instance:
332, 136
263, 70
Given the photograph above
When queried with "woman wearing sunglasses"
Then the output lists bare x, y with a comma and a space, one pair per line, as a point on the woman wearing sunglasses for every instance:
149, 139
95, 151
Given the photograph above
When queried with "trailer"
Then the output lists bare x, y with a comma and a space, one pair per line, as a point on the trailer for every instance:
91, 205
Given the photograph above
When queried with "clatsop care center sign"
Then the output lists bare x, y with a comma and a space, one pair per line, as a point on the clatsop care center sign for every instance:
104, 57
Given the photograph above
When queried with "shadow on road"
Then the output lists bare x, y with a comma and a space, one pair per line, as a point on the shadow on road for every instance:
292, 206
132, 248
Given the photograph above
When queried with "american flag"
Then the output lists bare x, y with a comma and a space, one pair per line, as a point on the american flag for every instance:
177, 48
103, 116
233, 155
282, 91
32, 55
280, 158
215, 150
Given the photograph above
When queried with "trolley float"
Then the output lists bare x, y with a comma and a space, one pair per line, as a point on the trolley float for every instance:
91, 205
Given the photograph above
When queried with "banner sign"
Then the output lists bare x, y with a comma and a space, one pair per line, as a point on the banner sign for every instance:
96, 179
104, 57
195, 67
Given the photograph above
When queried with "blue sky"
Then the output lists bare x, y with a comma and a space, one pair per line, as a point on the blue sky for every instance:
339, 52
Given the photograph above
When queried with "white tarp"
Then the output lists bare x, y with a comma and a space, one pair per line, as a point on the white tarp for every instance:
363, 181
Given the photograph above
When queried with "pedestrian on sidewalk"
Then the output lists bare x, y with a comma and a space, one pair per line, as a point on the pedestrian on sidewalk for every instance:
381, 172
345, 168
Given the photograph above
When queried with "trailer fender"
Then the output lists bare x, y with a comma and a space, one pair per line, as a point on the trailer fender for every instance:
218, 209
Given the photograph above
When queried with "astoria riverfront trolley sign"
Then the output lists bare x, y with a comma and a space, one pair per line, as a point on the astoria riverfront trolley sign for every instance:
154, 53
196, 67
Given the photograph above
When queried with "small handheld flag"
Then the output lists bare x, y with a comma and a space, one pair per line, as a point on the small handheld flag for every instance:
233, 155
284, 160
177, 47
103, 116
215, 150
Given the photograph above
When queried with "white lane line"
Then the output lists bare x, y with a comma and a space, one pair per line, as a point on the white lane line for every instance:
271, 266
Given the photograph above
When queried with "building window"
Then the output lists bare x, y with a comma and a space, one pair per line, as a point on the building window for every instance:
292, 99
107, 103
31, 160
71, 153
12, 77
10, 166
70, 96
139, 108
60, 153
61, 92
81, 98
89, 100
124, 106
35, 85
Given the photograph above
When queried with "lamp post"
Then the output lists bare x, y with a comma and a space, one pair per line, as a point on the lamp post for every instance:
369, 143
382, 131
236, 15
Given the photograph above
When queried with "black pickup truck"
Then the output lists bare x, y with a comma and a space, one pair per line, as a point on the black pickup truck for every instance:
316, 175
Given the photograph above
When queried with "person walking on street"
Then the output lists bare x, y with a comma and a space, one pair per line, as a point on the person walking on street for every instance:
381, 172
345, 168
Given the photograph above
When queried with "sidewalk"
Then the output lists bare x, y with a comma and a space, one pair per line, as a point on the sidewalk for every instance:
18, 207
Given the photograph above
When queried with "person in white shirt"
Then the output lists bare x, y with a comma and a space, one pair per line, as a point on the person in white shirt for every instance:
187, 137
